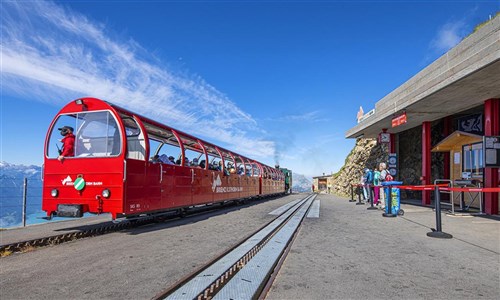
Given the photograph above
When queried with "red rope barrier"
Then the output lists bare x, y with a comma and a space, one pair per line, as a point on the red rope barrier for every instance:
442, 187
419, 187
483, 190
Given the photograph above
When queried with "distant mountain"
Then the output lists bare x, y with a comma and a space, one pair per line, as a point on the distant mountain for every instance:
300, 183
11, 192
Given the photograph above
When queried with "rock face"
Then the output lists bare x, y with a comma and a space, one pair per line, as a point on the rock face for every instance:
367, 153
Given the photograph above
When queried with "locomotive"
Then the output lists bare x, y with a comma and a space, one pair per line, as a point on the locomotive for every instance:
119, 165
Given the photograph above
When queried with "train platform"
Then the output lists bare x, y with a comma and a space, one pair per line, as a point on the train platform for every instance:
36, 231
347, 252
354, 253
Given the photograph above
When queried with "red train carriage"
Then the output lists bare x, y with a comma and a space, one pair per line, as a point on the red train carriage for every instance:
127, 165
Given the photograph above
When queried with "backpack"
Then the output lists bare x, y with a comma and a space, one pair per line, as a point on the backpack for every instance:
376, 178
369, 177
389, 177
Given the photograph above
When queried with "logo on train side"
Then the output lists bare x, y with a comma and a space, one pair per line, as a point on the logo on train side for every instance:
217, 182
67, 181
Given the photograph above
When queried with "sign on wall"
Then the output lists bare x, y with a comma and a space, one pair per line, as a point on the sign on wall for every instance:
399, 120
392, 166
491, 150
472, 124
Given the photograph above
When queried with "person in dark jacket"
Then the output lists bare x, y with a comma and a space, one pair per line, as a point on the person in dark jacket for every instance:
68, 148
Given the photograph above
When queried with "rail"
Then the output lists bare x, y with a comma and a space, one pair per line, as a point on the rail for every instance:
245, 271
109, 227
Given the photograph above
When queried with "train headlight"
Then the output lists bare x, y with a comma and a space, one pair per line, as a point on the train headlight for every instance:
106, 193
54, 193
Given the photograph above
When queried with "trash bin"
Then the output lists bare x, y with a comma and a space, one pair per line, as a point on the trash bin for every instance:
395, 206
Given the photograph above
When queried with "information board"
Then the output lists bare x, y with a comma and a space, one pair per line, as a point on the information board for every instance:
491, 150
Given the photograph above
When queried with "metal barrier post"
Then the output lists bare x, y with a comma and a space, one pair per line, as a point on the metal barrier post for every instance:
388, 204
352, 194
25, 195
438, 233
452, 196
360, 191
370, 196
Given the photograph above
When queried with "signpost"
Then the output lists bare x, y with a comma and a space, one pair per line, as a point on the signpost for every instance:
399, 120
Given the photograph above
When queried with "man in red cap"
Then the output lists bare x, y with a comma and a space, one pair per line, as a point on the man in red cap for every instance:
68, 148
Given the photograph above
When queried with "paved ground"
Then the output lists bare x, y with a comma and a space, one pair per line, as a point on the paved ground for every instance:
348, 253
14, 235
354, 253
132, 264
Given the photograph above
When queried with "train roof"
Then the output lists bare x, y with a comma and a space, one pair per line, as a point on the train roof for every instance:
159, 131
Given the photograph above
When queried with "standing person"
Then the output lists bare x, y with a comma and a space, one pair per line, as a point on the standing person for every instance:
68, 140
376, 187
383, 174
368, 181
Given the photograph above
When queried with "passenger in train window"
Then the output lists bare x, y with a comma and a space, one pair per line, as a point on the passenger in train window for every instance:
186, 162
165, 159
230, 168
241, 171
155, 159
194, 163
172, 160
202, 164
68, 140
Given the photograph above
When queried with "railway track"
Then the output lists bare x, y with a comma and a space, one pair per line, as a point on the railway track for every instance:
247, 270
109, 227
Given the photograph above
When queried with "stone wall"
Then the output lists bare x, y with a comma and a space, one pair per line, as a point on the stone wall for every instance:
368, 153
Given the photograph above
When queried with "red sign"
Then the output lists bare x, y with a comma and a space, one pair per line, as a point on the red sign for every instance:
399, 120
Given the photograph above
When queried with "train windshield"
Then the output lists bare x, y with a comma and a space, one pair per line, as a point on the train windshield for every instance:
96, 135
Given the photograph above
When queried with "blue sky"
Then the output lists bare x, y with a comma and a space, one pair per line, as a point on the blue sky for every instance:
273, 80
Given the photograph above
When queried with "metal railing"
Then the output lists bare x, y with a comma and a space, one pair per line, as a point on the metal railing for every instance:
16, 198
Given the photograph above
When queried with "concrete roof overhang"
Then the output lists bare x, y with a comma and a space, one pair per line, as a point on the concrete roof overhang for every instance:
461, 79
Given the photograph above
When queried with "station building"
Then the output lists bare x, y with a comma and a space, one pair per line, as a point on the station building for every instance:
323, 184
446, 120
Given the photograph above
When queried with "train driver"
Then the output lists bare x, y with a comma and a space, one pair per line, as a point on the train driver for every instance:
68, 140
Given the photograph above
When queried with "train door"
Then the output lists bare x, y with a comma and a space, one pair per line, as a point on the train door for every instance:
138, 193
199, 182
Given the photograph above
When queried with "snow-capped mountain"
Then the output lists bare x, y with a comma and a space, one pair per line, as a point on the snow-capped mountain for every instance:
11, 192
300, 184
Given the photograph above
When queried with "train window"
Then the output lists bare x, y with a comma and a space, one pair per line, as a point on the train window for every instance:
248, 171
256, 170
194, 158
136, 144
96, 134
214, 162
164, 151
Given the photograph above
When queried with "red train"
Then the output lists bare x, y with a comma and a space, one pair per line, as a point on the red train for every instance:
128, 165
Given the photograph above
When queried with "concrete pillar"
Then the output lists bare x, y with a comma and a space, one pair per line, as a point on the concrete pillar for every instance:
426, 161
491, 128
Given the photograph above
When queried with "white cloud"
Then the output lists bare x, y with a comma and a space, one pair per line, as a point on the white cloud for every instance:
312, 116
448, 36
54, 55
